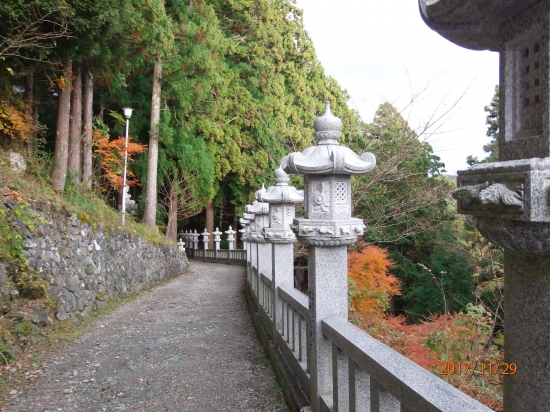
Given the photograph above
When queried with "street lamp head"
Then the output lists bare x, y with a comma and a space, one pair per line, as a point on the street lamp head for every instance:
127, 112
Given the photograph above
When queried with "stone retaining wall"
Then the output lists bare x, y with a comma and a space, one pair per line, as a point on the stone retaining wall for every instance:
87, 267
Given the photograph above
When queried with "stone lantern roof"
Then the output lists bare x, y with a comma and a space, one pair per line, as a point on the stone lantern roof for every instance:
281, 192
328, 157
474, 24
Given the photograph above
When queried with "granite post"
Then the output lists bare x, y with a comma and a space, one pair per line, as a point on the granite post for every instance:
327, 228
245, 223
205, 236
253, 249
181, 245
195, 237
217, 239
281, 199
263, 249
230, 238
509, 199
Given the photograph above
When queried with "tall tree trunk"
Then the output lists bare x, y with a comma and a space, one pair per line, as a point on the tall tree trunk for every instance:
88, 127
29, 91
59, 170
172, 227
75, 129
99, 159
150, 212
210, 223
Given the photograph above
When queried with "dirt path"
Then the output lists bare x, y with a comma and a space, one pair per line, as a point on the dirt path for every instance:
186, 346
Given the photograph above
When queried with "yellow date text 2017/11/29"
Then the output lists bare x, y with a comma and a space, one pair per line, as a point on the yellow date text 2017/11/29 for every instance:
465, 368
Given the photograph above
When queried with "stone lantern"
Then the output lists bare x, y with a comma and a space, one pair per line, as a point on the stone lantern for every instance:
195, 237
510, 199
328, 228
282, 199
217, 239
262, 257
205, 236
230, 238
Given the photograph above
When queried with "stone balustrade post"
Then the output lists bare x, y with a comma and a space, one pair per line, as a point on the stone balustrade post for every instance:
195, 237
181, 245
263, 249
245, 223
509, 199
205, 237
253, 250
282, 199
230, 238
217, 239
327, 228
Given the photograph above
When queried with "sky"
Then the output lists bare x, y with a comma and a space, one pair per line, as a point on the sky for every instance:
381, 50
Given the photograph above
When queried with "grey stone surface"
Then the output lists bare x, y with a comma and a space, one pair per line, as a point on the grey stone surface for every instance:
474, 24
186, 346
87, 267
282, 199
327, 227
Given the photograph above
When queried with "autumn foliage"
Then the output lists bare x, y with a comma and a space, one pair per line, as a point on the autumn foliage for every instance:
463, 337
15, 121
371, 287
112, 159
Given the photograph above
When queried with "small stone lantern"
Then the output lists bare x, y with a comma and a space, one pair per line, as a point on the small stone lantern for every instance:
230, 238
195, 237
217, 239
263, 250
282, 199
205, 236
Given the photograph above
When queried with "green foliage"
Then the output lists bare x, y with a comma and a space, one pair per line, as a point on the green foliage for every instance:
492, 122
405, 194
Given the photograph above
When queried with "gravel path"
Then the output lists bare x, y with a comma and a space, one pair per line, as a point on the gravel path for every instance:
186, 346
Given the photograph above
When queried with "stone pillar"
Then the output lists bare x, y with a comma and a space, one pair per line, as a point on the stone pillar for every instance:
327, 228
263, 249
205, 236
281, 199
245, 223
195, 237
253, 249
509, 198
217, 239
181, 245
230, 238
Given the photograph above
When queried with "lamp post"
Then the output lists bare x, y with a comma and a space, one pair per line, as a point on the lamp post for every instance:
127, 114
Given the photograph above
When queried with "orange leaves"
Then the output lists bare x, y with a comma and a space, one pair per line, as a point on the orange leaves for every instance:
373, 286
15, 121
112, 161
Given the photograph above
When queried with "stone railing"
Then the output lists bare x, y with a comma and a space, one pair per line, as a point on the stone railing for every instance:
323, 362
191, 240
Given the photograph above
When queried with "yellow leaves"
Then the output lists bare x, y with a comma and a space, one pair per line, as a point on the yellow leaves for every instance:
14, 120
368, 270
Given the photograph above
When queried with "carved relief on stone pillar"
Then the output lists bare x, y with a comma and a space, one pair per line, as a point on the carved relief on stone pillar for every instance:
512, 190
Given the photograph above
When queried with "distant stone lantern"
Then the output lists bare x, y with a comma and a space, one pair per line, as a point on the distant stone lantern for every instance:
261, 220
205, 236
282, 199
328, 228
230, 238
